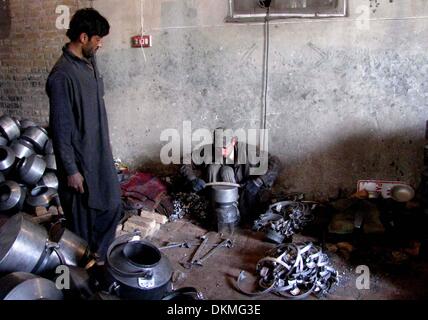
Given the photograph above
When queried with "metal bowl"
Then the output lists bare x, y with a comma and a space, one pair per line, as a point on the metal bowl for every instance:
9, 127
22, 148
11, 196
402, 193
37, 136
31, 169
7, 158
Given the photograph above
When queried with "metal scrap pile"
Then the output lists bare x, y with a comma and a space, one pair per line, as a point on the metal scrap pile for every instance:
293, 271
189, 204
283, 219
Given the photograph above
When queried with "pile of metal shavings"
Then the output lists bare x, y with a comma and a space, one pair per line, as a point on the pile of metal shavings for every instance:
286, 218
293, 271
189, 204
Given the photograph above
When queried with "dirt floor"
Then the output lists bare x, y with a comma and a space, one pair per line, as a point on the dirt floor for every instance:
393, 274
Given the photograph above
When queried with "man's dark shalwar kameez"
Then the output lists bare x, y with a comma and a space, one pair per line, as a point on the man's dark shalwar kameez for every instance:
80, 135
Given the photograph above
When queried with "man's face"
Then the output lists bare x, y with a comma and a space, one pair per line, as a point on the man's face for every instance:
91, 46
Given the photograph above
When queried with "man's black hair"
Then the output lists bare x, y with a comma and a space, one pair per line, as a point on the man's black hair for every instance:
88, 21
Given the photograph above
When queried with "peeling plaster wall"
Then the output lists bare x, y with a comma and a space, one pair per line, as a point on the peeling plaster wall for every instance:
345, 102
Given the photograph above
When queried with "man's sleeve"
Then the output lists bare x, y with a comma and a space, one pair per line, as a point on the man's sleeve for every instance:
62, 123
274, 168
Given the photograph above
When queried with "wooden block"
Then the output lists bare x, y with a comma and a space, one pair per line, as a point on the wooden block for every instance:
53, 211
161, 219
154, 230
41, 211
42, 219
150, 223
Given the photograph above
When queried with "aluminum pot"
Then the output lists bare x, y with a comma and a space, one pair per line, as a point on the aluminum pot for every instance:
22, 245
41, 196
50, 162
31, 169
224, 202
27, 286
74, 250
12, 196
138, 270
224, 194
22, 148
7, 158
9, 127
49, 180
49, 147
25, 124
38, 136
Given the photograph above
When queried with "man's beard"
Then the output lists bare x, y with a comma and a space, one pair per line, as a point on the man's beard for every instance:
88, 53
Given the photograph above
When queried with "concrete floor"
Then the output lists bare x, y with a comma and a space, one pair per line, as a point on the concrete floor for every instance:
400, 279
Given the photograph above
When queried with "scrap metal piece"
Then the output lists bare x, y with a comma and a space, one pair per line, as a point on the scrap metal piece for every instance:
294, 271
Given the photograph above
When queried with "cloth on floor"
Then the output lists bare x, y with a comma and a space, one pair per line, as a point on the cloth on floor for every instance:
147, 192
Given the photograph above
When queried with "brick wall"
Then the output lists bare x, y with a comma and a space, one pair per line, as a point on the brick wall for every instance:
27, 55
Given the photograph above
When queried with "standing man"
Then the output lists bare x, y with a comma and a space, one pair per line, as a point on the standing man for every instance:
89, 188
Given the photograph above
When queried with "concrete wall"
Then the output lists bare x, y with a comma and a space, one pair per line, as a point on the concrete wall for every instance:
345, 102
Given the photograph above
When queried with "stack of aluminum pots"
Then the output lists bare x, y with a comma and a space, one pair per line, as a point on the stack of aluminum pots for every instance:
27, 166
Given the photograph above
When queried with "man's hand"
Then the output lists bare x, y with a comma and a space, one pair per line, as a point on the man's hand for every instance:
76, 182
198, 184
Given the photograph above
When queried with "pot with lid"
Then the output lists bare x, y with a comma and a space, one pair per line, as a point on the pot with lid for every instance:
137, 270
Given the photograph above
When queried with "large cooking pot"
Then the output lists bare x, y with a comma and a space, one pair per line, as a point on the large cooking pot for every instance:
31, 169
9, 127
22, 245
137, 269
22, 148
7, 158
73, 249
26, 286
37, 136
12, 196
